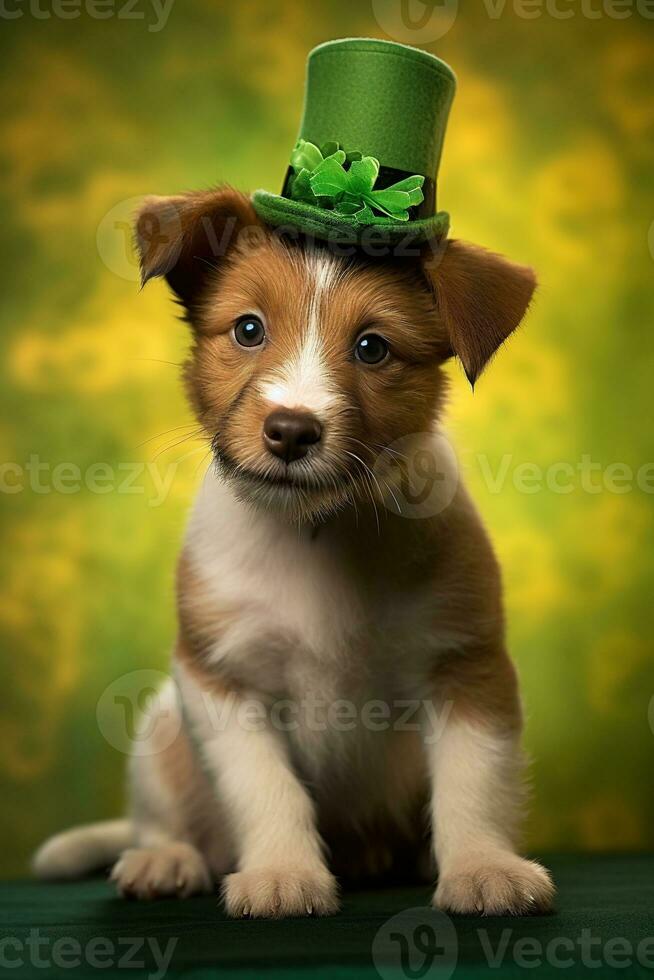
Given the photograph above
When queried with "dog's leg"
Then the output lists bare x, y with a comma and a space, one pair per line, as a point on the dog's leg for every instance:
180, 839
281, 871
164, 860
477, 795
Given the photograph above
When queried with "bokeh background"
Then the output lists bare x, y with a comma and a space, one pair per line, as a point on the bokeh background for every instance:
549, 158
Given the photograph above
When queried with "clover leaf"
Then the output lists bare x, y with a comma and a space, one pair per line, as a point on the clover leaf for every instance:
301, 185
328, 149
362, 175
321, 179
305, 156
329, 179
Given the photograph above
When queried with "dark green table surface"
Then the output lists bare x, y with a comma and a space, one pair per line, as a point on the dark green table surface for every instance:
603, 926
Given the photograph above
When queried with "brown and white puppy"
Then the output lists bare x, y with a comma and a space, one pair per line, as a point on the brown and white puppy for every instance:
313, 615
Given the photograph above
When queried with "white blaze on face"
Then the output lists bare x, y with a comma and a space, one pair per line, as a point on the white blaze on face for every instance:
304, 380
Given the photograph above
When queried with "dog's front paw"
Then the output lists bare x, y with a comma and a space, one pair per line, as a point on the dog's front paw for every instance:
495, 884
158, 872
277, 893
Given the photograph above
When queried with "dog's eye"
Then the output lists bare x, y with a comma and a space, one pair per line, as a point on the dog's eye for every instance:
249, 331
371, 349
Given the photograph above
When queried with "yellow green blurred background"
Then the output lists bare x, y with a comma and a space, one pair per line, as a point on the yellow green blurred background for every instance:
549, 158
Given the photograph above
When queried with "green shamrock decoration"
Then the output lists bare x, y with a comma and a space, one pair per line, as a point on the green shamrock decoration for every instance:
320, 178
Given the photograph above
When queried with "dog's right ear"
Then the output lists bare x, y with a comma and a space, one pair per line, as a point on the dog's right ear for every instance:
481, 296
185, 238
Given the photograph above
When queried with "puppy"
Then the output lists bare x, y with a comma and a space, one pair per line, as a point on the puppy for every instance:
316, 617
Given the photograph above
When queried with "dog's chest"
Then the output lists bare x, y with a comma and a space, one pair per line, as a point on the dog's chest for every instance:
302, 623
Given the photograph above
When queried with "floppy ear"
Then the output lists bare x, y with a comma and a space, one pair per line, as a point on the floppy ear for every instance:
185, 237
481, 296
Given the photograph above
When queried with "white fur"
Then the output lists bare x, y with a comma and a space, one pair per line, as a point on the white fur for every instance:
309, 637
170, 868
162, 814
312, 632
477, 791
312, 628
304, 380
76, 852
250, 766
291, 587
476, 772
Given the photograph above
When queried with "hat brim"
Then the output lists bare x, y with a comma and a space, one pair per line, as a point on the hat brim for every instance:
329, 226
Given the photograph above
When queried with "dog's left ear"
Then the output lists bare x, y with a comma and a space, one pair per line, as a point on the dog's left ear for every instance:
187, 238
481, 297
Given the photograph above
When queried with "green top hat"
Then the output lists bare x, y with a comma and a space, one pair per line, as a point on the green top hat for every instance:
369, 146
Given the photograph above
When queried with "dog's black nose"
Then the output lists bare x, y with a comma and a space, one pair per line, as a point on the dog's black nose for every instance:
289, 434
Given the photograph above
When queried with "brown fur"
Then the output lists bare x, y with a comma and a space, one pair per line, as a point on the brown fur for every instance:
222, 262
301, 577
482, 298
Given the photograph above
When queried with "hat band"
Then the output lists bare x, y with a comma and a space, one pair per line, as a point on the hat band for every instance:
386, 177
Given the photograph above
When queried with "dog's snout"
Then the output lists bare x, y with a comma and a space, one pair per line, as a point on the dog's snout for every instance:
289, 434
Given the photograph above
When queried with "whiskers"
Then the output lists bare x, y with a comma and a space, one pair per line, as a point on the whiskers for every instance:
316, 488
313, 492
181, 435
370, 476
367, 473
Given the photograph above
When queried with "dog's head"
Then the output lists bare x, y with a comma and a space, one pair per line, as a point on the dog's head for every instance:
308, 364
